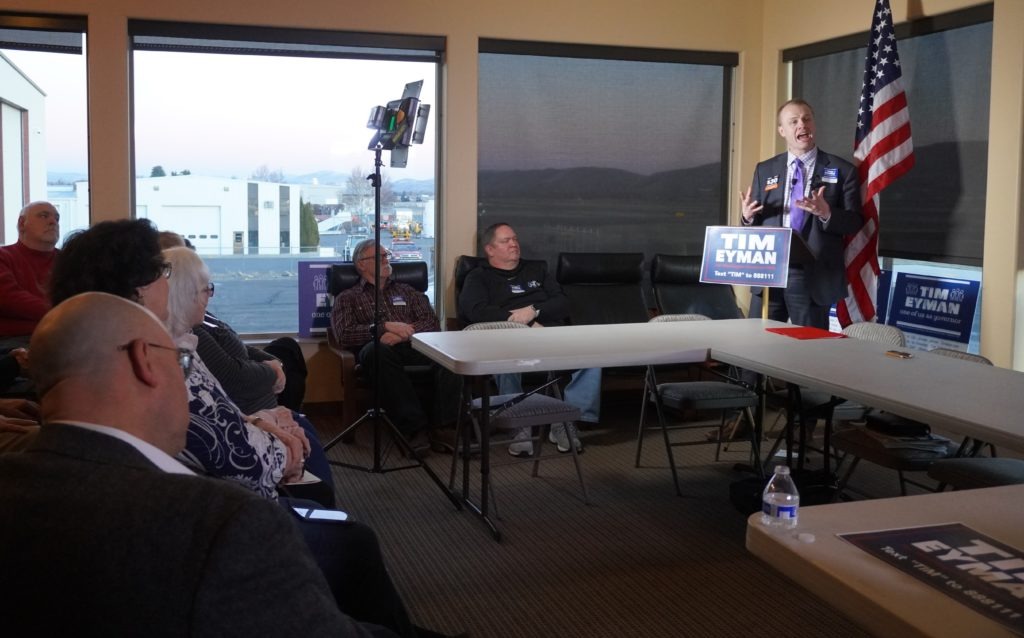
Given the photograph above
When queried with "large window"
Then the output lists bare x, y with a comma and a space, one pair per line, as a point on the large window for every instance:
937, 211
932, 220
43, 136
600, 149
252, 143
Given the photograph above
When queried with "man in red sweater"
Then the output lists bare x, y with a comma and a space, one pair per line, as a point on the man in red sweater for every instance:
25, 273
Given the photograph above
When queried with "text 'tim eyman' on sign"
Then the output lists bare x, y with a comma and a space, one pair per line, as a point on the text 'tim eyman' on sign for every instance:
751, 256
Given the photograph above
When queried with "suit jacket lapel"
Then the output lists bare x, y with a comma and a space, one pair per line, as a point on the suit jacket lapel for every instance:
778, 168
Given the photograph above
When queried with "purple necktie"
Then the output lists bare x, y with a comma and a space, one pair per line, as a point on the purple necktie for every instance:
796, 214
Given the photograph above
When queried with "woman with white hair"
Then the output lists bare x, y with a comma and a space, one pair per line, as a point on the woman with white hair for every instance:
259, 450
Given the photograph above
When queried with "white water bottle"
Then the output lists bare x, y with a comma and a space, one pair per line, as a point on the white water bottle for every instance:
780, 501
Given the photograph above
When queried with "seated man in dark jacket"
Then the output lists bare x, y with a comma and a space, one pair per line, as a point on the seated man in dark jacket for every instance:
104, 525
508, 288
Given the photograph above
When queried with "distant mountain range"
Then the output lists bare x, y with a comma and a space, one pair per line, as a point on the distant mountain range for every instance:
943, 173
328, 178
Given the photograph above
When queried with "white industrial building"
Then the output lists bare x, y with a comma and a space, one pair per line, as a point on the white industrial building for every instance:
23, 150
222, 215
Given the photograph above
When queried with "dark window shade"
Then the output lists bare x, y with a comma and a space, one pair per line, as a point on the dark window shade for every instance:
54, 34
596, 52
150, 35
935, 212
585, 151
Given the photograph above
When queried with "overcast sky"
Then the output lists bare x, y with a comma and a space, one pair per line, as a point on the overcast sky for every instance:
227, 115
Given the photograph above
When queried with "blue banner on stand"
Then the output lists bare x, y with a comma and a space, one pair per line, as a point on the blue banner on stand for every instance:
933, 311
746, 256
314, 301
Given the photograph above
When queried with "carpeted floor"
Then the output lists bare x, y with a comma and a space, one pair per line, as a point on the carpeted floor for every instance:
637, 561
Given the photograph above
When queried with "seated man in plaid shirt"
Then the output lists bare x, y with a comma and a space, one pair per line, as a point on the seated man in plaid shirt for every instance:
404, 312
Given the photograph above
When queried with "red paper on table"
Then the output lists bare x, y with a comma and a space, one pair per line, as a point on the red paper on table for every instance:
806, 332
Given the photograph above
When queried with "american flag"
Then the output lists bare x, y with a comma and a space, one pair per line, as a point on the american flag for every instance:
883, 151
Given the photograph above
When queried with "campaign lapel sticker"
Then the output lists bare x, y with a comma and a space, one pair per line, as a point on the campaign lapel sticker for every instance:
771, 183
516, 289
830, 175
397, 300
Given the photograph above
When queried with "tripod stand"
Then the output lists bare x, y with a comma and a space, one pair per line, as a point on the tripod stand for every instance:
376, 416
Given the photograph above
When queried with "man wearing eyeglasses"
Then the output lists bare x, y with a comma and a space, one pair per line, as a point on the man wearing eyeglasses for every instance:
24, 273
102, 523
404, 312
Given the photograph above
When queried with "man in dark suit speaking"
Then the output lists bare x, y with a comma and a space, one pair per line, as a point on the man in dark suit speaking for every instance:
104, 533
818, 196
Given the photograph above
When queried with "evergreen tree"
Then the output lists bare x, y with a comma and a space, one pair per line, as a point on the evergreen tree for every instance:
309, 233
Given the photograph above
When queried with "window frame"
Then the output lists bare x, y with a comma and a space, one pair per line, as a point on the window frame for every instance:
727, 60
210, 38
971, 16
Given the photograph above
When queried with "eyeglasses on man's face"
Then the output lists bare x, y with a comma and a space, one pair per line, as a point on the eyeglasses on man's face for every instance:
185, 356
387, 254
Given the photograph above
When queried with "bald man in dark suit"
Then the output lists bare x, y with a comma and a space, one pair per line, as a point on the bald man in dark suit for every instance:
816, 194
103, 532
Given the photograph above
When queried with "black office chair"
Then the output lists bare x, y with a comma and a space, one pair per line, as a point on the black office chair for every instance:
464, 264
355, 390
603, 288
679, 291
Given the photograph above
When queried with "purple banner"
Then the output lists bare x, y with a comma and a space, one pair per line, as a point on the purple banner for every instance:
314, 301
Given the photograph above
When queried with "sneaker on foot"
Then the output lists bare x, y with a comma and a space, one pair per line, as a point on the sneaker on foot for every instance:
522, 446
559, 437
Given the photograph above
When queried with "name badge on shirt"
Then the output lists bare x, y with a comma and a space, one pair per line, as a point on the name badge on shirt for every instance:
516, 289
771, 183
397, 300
830, 176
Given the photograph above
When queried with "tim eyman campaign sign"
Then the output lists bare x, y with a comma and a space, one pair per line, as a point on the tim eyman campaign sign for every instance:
934, 311
746, 256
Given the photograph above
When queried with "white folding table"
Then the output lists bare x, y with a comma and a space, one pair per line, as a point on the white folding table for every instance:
480, 353
982, 402
880, 597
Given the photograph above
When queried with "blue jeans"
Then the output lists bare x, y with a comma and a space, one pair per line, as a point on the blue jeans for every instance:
583, 391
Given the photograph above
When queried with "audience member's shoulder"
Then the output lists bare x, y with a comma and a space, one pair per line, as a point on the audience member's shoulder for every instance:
352, 291
222, 500
481, 271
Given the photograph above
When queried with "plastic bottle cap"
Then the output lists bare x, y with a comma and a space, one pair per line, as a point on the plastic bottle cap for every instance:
782, 469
